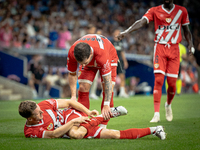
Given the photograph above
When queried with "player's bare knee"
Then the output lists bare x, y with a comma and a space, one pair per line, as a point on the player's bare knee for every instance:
84, 87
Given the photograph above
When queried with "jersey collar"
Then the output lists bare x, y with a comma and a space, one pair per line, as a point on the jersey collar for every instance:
167, 10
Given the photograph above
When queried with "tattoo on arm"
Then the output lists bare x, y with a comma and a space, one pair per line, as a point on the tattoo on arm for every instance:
108, 87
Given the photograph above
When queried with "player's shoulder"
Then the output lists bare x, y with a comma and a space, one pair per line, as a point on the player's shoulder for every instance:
46, 103
180, 7
155, 9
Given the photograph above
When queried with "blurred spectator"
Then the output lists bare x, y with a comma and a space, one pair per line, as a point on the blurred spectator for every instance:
122, 63
197, 65
36, 80
5, 36
48, 16
189, 81
64, 38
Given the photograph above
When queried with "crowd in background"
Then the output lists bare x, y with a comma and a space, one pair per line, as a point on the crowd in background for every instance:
42, 24
57, 24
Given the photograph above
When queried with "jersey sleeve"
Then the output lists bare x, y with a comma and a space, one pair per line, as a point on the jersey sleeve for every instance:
49, 104
103, 60
71, 61
149, 15
35, 133
185, 19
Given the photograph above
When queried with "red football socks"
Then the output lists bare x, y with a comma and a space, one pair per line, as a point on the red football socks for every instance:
83, 98
95, 121
134, 133
157, 92
171, 91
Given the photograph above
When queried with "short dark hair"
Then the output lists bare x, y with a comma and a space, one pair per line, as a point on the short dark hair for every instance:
82, 51
26, 108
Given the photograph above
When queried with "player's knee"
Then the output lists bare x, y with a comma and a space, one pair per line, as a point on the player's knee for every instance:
159, 79
84, 87
76, 135
171, 82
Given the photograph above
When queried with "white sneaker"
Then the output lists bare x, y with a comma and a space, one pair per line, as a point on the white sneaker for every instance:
94, 96
124, 95
156, 118
118, 111
168, 112
160, 132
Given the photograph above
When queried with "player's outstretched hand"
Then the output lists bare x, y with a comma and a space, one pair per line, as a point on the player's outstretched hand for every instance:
106, 112
121, 35
93, 113
73, 98
79, 120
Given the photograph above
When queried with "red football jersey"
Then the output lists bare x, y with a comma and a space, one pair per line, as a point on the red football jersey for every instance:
167, 24
52, 118
104, 54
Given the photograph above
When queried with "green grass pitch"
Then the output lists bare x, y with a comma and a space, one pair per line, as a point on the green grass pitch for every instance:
182, 133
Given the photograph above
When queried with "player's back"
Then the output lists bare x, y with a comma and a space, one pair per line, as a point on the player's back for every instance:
98, 43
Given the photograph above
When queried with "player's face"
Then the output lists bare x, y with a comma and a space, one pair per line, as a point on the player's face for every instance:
37, 114
167, 1
86, 61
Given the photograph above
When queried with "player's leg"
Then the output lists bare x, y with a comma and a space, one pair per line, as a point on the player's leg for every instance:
172, 75
133, 133
160, 61
86, 76
94, 87
121, 74
157, 93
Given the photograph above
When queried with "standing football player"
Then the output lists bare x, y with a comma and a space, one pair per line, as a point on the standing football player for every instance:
168, 19
93, 52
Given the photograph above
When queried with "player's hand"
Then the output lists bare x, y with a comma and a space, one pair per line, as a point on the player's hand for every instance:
125, 64
191, 49
121, 35
73, 98
106, 112
79, 120
93, 113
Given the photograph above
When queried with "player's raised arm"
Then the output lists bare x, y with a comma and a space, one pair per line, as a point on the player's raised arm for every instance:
107, 85
135, 26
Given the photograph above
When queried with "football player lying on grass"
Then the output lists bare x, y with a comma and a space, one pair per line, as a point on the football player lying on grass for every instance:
47, 120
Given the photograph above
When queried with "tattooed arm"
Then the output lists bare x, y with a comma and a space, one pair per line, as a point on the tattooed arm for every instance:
107, 88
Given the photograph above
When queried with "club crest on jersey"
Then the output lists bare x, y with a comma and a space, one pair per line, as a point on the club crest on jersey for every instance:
106, 66
156, 66
50, 126
79, 73
168, 20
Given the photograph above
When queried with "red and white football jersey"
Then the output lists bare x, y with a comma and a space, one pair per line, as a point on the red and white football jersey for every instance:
104, 54
167, 23
52, 118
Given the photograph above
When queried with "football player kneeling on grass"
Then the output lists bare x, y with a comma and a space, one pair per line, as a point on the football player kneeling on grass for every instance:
47, 120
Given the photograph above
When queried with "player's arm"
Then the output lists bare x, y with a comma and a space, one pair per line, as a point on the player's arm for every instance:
72, 78
188, 37
107, 85
124, 60
135, 26
65, 103
59, 132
